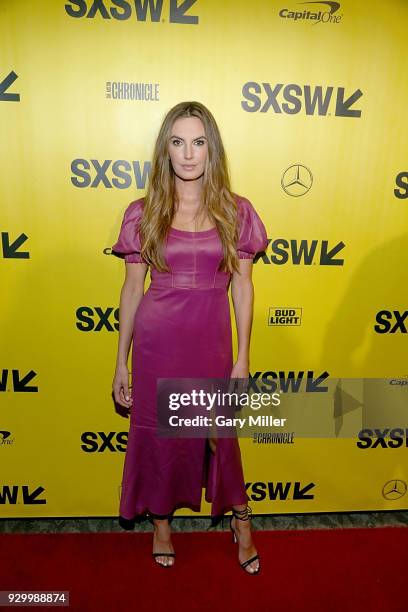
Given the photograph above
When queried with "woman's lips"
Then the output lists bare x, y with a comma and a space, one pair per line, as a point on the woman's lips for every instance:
188, 167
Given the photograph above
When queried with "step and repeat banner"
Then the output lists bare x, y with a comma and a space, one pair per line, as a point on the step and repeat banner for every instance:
311, 100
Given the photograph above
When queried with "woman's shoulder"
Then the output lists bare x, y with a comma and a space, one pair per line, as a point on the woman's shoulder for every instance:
252, 232
135, 208
244, 205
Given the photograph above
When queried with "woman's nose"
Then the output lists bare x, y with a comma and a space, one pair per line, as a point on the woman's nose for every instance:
188, 152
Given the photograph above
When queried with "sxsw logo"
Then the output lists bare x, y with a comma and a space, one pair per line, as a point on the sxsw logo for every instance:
96, 318
270, 381
120, 173
401, 181
291, 99
15, 381
99, 441
306, 252
141, 10
259, 491
386, 438
390, 322
21, 494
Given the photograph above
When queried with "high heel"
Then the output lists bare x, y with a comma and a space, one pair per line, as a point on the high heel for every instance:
244, 515
169, 517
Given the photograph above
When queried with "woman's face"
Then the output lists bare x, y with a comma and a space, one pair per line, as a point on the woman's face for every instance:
188, 148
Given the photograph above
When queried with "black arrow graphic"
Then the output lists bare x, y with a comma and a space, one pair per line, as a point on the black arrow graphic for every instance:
314, 385
10, 250
30, 498
5, 84
20, 385
327, 257
177, 13
343, 106
299, 493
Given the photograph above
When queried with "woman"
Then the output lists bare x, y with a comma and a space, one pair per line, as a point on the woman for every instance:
196, 236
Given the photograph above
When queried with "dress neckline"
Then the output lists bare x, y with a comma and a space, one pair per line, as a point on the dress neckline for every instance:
201, 233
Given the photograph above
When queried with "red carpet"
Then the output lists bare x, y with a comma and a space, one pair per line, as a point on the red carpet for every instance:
325, 570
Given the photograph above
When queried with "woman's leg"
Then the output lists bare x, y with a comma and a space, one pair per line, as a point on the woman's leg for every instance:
162, 539
242, 527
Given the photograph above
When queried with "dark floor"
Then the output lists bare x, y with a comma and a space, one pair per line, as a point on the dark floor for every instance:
182, 523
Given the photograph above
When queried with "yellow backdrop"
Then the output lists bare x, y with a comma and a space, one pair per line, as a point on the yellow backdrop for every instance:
311, 104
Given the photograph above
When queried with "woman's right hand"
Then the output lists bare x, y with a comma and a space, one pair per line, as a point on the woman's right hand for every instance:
120, 387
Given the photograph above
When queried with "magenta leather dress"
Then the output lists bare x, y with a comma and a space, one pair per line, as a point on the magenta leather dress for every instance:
182, 329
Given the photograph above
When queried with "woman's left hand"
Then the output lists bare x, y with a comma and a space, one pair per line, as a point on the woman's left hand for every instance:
240, 369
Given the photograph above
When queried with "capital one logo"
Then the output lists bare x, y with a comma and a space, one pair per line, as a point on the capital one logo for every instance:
328, 16
141, 10
292, 99
5, 438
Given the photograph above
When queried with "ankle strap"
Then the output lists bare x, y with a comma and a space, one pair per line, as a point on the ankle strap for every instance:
243, 515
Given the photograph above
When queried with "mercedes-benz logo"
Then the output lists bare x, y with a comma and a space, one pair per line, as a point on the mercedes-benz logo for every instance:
297, 180
394, 489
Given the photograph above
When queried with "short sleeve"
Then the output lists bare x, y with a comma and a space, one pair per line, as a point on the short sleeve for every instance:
128, 245
252, 233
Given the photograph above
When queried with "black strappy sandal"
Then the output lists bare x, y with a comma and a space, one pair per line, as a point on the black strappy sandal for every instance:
169, 517
167, 554
244, 515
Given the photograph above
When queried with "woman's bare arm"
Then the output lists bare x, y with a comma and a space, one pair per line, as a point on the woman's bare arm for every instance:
131, 293
242, 292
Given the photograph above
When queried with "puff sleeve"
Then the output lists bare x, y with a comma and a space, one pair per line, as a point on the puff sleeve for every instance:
128, 244
252, 233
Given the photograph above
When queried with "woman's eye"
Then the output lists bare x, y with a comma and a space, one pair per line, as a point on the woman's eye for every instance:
176, 141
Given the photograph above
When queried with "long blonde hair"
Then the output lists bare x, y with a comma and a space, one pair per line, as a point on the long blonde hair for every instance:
216, 196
